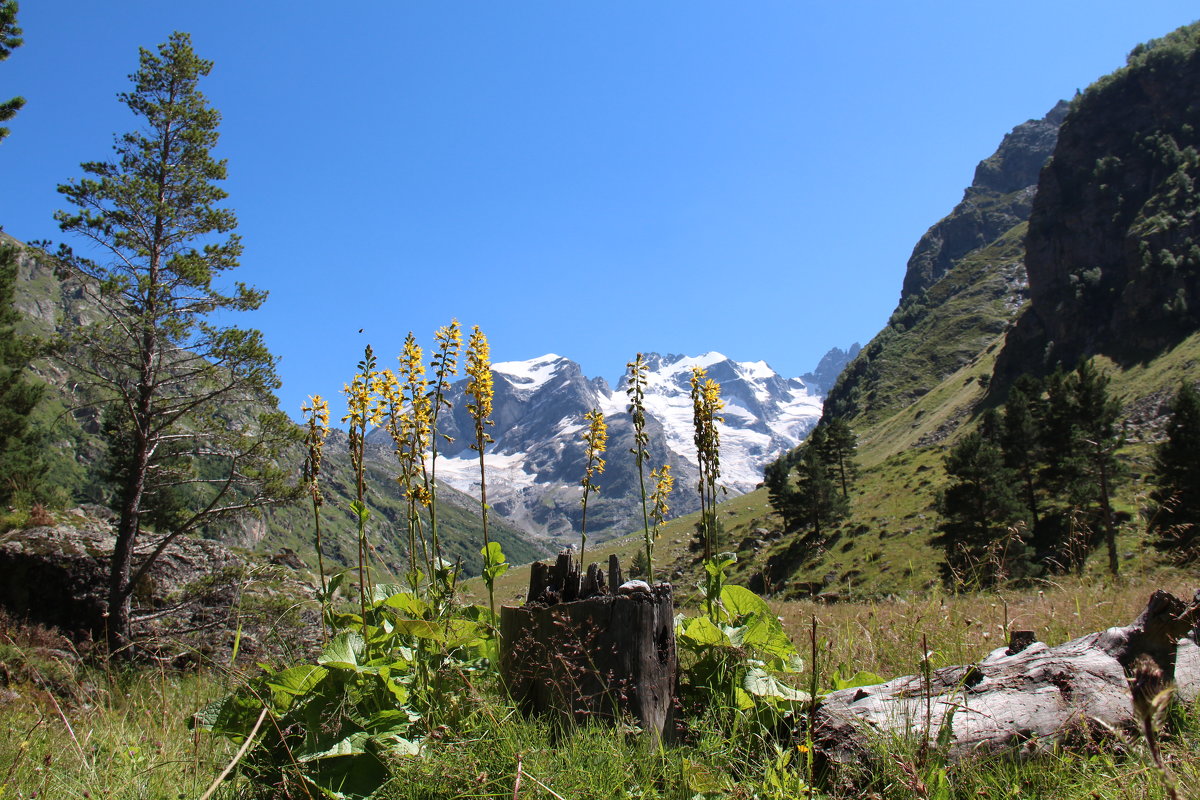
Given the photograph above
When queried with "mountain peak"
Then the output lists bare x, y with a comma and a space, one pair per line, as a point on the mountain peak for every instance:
534, 372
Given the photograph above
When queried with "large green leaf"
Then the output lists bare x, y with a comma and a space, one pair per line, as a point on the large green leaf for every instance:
761, 683
421, 629
495, 563
393, 743
701, 631
297, 680
856, 680
381, 592
767, 635
739, 601
408, 603
352, 745
233, 716
343, 652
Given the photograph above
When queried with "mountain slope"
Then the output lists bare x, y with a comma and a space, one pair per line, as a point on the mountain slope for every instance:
1112, 261
963, 286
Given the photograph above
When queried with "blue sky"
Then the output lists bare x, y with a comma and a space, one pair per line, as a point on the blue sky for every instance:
585, 178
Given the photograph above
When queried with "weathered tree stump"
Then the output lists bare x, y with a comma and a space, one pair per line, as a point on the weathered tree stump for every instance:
1024, 698
589, 649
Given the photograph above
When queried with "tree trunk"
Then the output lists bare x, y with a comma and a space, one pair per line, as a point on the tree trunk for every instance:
1110, 528
1026, 698
120, 592
606, 656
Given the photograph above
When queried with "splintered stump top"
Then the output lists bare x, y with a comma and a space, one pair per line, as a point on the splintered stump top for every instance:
1024, 698
589, 648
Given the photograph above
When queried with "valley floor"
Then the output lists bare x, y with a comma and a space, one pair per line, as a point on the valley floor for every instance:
80, 731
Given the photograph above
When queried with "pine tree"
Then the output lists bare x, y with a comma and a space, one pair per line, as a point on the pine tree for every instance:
819, 504
1177, 478
781, 491
186, 395
839, 449
1019, 439
977, 509
10, 39
22, 466
1062, 474
1099, 437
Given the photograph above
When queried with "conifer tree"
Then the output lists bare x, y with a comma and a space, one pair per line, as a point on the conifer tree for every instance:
21, 463
839, 448
1099, 436
818, 501
10, 39
781, 491
1019, 440
1177, 477
188, 396
977, 508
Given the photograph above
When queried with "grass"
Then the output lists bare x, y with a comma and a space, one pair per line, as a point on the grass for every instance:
80, 731
77, 731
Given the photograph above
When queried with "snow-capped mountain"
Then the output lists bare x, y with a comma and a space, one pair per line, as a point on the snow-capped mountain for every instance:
535, 466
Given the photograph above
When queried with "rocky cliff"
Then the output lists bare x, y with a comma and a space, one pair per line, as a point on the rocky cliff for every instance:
1113, 250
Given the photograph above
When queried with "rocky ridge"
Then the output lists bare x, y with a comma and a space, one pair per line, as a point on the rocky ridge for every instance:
538, 458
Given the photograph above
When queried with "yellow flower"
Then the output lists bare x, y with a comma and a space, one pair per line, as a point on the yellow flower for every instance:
317, 414
479, 384
664, 483
596, 440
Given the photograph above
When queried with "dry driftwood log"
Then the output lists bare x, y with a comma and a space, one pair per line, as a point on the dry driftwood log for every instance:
589, 648
1023, 698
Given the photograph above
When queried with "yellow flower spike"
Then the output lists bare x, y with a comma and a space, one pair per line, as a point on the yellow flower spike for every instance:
664, 484
479, 377
596, 442
595, 439
706, 403
480, 389
636, 390
317, 414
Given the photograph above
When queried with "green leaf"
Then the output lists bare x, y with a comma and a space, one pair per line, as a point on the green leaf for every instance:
761, 683
768, 637
739, 601
394, 744
360, 510
408, 603
352, 745
382, 591
336, 580
701, 631
856, 680
343, 652
717, 565
390, 720
347, 620
233, 716
420, 628
297, 680
703, 779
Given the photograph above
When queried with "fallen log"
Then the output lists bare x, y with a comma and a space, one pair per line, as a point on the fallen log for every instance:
1023, 699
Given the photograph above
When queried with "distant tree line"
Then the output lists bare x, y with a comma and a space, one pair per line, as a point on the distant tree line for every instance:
1031, 490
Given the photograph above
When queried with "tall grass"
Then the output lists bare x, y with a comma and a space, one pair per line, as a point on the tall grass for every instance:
80, 731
